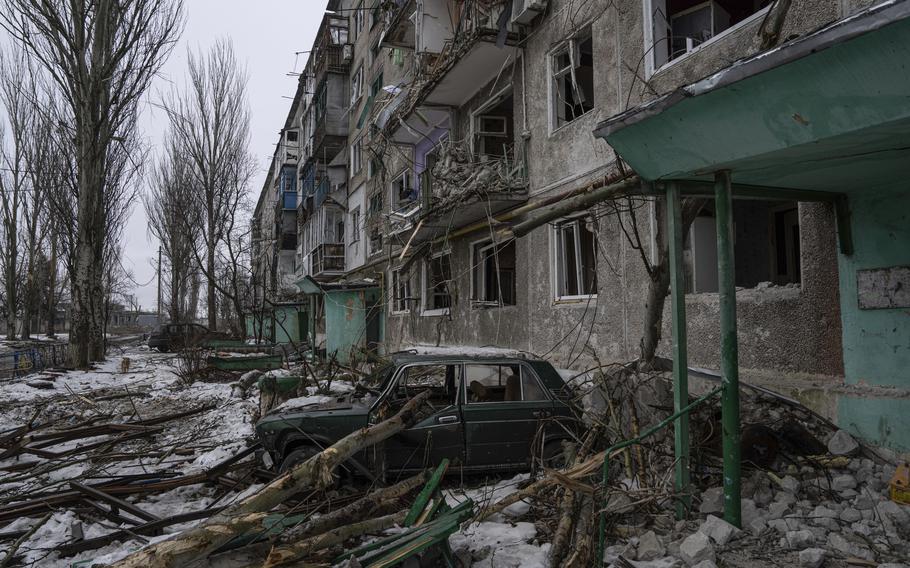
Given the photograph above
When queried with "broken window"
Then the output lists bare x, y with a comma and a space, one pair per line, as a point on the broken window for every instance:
291, 135
494, 274
375, 240
404, 193
572, 66
376, 85
766, 246
356, 156
437, 282
357, 84
501, 383
376, 203
357, 21
576, 259
375, 49
401, 290
355, 225
677, 27
440, 379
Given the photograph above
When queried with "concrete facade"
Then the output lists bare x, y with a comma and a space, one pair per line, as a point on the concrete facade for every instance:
789, 307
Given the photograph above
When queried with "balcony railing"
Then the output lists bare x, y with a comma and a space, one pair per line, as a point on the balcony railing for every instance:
334, 59
328, 258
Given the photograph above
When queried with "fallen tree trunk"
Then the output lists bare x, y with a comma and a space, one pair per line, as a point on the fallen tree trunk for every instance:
360, 509
316, 472
285, 554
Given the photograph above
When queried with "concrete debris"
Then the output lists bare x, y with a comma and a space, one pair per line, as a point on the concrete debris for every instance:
650, 547
719, 530
696, 548
712, 500
842, 444
790, 484
705, 564
798, 540
843, 482
812, 557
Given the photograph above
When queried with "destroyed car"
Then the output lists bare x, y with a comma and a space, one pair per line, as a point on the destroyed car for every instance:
485, 414
177, 336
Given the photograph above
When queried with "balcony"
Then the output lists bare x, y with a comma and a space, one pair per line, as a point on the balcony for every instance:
327, 259
333, 59
462, 188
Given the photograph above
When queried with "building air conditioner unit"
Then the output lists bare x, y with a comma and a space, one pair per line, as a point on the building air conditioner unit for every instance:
523, 11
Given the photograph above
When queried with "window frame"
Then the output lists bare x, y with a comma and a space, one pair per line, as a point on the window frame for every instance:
557, 265
356, 156
426, 295
355, 226
568, 45
651, 68
394, 195
399, 306
478, 266
523, 371
357, 86
358, 21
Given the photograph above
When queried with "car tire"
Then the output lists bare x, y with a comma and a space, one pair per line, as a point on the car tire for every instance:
297, 457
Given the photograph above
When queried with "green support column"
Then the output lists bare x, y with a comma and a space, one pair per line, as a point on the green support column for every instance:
680, 357
726, 277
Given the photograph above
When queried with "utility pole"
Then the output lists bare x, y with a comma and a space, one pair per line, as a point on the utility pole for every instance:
159, 284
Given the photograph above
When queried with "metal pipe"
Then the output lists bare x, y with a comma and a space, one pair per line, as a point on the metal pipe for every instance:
726, 285
605, 478
680, 356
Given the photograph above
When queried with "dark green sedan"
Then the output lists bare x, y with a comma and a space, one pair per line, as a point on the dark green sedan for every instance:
487, 413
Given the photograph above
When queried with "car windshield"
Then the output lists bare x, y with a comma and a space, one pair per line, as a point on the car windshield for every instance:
379, 379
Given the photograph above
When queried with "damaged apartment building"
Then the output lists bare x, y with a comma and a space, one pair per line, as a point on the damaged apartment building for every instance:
501, 173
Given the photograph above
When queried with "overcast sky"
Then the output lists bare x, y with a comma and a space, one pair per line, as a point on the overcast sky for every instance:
266, 34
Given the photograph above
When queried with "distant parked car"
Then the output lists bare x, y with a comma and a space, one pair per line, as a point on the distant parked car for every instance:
177, 336
488, 413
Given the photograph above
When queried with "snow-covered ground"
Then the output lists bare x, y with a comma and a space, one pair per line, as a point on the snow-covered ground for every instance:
204, 440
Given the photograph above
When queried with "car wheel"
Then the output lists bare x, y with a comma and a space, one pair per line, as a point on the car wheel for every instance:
553, 456
297, 457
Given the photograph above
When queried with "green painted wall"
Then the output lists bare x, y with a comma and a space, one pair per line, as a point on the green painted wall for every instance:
345, 321
287, 323
876, 342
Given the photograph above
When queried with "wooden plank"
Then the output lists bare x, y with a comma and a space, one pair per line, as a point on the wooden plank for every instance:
75, 547
113, 501
423, 498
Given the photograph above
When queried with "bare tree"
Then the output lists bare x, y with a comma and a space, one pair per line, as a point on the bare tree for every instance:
17, 83
47, 169
167, 202
210, 121
102, 55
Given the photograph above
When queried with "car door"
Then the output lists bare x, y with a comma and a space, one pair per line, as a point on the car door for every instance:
504, 405
441, 434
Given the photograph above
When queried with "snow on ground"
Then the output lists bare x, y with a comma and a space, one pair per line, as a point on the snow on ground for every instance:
204, 440
499, 542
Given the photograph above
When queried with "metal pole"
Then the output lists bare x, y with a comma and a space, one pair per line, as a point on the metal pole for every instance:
680, 355
726, 285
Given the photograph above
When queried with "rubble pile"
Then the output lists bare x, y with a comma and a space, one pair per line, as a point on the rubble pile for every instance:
812, 496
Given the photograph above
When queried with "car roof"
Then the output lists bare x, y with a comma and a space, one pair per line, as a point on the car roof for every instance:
406, 357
